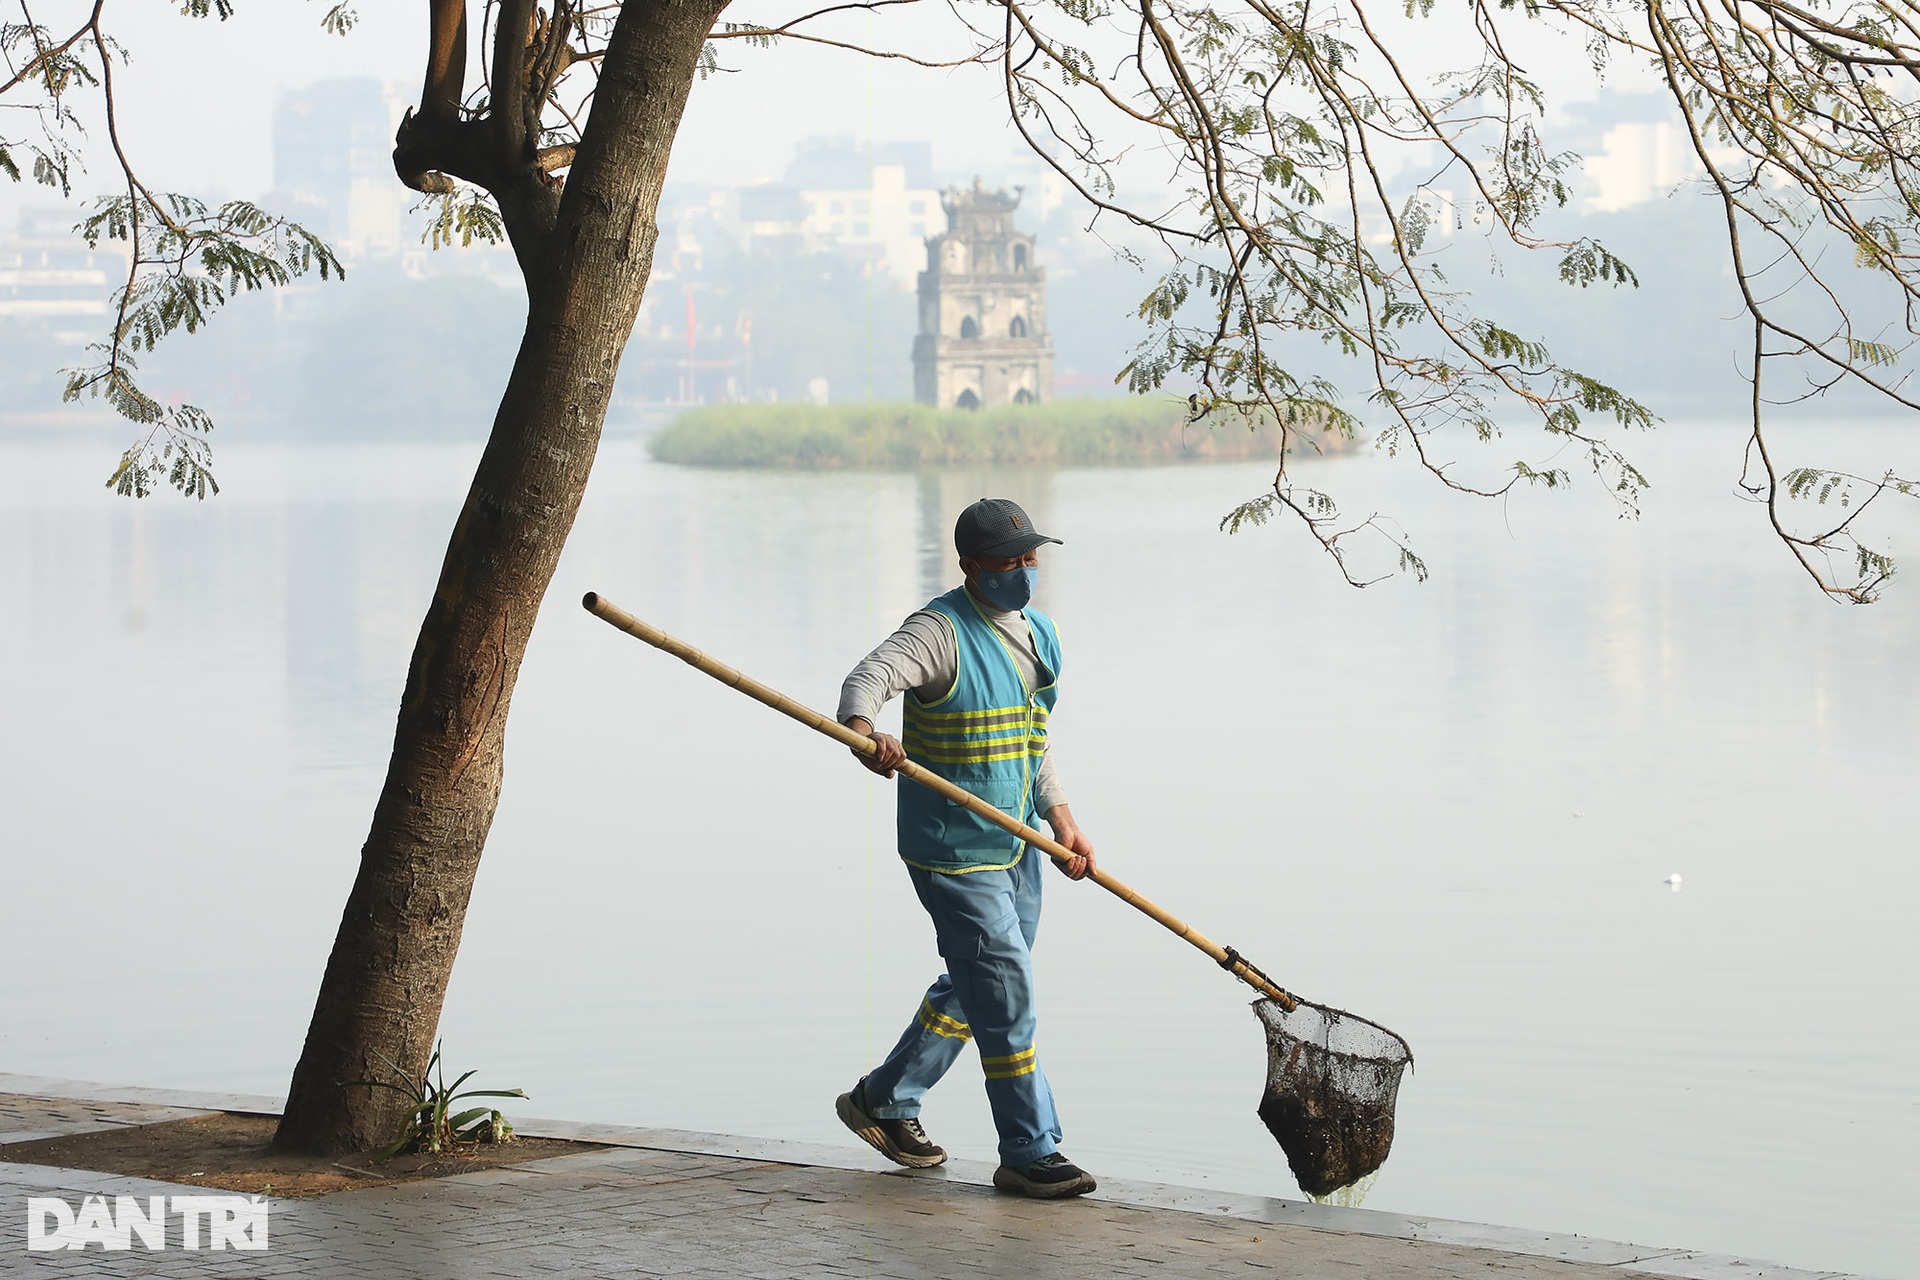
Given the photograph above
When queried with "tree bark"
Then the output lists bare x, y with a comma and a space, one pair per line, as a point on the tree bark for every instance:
586, 257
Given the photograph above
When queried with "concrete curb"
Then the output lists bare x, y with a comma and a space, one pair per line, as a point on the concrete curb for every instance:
1682, 1264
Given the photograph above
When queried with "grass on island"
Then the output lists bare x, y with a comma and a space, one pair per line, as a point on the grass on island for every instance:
1066, 433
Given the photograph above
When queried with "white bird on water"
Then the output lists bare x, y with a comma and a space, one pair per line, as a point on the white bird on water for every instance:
1673, 882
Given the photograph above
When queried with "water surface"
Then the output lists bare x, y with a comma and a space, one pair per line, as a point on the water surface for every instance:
1451, 807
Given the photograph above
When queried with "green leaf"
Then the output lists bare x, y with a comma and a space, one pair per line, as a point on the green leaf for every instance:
467, 215
339, 19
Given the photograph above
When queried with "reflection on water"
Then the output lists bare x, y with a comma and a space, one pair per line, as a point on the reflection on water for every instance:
1452, 808
940, 496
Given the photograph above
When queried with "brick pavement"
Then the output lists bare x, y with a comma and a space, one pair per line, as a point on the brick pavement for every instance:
736, 1209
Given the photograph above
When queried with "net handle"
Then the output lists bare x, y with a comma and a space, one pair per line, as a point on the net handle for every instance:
1225, 957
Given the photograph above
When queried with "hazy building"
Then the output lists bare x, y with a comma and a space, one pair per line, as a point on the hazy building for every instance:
874, 204
983, 337
1635, 148
333, 166
884, 222
770, 216
49, 274
1638, 162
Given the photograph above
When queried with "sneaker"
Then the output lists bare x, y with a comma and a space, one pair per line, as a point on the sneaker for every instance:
1051, 1177
901, 1141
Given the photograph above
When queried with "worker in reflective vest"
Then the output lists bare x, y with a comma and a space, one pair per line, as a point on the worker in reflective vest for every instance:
980, 672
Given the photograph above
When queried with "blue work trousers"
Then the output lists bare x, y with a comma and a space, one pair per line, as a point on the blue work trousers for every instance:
984, 922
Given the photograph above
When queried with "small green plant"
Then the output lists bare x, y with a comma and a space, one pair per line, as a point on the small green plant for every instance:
433, 1124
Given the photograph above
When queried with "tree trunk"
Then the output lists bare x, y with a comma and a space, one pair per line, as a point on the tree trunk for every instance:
586, 269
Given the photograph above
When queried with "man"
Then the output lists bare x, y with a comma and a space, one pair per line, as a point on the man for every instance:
980, 672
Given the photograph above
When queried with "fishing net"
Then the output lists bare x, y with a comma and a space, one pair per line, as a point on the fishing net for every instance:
1332, 1079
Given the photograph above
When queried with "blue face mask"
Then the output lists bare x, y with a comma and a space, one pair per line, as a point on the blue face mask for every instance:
1008, 589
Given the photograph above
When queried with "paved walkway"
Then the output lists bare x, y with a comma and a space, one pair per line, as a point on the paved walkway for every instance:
669, 1203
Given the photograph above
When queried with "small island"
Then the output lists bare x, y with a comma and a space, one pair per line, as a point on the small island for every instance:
983, 383
1153, 431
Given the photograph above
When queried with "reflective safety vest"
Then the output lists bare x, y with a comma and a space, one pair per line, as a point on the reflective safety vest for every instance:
986, 733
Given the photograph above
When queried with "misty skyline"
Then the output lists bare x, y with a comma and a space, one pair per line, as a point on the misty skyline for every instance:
740, 126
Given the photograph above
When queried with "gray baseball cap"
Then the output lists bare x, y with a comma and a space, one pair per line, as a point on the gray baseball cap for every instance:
995, 528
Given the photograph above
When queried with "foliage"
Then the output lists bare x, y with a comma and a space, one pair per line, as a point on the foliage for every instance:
465, 215
1066, 433
435, 1123
1293, 272
184, 260
206, 257
1304, 276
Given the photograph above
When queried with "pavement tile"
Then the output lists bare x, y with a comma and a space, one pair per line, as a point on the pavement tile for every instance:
744, 1209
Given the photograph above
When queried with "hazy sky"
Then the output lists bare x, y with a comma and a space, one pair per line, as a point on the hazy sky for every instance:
199, 95
741, 125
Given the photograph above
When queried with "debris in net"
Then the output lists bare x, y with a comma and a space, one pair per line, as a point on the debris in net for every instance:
1332, 1079
1327, 1152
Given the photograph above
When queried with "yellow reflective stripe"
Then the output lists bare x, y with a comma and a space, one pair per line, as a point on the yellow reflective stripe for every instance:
985, 741
958, 717
969, 869
989, 733
932, 1014
984, 726
1016, 1064
983, 713
995, 738
1016, 751
940, 1024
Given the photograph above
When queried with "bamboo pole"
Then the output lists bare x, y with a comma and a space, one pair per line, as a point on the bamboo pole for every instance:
1226, 958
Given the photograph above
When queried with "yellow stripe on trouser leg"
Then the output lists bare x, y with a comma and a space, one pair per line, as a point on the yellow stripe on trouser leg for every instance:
987, 733
985, 923
1014, 1064
940, 1024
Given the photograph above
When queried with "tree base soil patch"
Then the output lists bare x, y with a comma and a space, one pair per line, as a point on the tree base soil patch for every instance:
230, 1151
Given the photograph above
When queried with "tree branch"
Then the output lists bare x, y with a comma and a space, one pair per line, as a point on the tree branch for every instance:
513, 29
446, 81
430, 152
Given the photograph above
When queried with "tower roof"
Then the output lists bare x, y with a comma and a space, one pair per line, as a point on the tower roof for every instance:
958, 201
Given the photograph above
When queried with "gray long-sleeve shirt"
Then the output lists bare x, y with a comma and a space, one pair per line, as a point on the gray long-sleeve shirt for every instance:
924, 656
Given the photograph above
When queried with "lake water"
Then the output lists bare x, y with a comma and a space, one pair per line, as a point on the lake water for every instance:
1451, 807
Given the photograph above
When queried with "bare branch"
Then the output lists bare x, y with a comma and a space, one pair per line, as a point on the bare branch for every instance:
445, 86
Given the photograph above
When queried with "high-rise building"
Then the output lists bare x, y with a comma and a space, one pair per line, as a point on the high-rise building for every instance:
983, 337
1636, 149
333, 165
